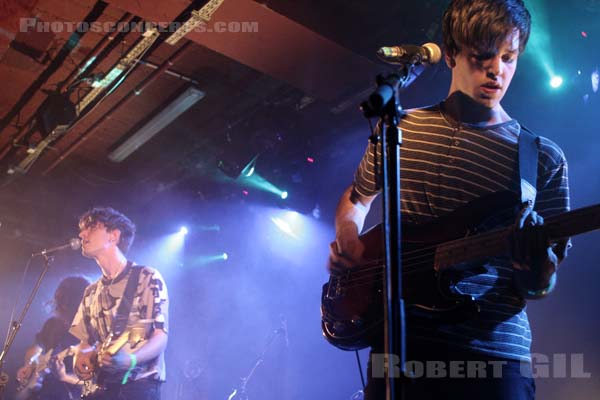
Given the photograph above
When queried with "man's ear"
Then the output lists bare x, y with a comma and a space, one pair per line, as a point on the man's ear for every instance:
115, 236
450, 62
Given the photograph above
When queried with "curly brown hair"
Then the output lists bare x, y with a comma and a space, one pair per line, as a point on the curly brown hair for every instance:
68, 295
111, 219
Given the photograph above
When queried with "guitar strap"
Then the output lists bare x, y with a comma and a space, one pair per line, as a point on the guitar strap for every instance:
119, 322
122, 316
528, 161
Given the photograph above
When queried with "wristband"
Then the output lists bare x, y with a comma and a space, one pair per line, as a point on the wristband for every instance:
544, 291
133, 364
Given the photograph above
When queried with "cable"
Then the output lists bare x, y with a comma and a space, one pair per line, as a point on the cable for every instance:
362, 377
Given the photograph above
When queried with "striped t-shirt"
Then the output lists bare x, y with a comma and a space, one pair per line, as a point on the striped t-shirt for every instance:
445, 164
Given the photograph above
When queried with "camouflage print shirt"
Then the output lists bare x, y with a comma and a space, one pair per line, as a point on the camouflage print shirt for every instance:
94, 318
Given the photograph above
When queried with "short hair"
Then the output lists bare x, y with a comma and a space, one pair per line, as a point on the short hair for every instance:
68, 295
111, 219
484, 24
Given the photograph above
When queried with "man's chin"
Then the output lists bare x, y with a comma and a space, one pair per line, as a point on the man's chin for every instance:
487, 102
86, 253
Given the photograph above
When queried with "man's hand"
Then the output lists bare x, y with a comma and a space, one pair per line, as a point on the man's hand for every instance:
58, 367
534, 260
120, 361
24, 373
85, 362
346, 251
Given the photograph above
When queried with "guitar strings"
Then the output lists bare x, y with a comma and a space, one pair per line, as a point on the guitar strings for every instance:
374, 268
426, 251
363, 274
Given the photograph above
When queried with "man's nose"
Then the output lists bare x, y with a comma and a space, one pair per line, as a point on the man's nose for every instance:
494, 67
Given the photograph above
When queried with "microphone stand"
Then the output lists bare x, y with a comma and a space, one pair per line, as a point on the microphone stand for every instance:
383, 103
16, 325
240, 393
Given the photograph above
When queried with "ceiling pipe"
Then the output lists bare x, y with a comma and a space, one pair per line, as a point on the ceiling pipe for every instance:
56, 63
123, 101
102, 49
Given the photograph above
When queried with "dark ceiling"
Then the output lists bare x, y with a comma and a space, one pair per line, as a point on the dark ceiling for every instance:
277, 91
283, 91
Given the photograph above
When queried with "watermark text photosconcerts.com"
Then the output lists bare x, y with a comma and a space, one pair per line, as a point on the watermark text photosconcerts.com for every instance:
35, 25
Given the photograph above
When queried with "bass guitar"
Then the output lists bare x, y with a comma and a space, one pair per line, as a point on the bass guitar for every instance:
435, 257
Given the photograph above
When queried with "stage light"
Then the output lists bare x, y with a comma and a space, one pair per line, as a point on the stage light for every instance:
316, 212
283, 226
56, 112
249, 169
205, 260
257, 181
183, 230
157, 123
249, 172
556, 82
595, 80
292, 215
236, 165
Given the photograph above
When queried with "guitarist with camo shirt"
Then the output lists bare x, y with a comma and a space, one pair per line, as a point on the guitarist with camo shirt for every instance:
122, 321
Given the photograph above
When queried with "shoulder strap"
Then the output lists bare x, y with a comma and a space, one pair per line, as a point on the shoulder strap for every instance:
87, 320
120, 320
528, 160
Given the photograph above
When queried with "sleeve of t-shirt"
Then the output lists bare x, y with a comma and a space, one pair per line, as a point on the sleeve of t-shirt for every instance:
553, 186
368, 174
155, 301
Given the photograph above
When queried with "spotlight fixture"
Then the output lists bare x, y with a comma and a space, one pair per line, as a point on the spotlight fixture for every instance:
57, 111
237, 165
556, 82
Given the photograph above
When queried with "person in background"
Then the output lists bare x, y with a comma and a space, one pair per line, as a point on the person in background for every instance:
44, 375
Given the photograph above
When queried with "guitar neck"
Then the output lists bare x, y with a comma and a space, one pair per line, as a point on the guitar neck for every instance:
115, 345
497, 243
574, 222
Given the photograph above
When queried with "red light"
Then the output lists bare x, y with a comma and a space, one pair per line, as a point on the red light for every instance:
310, 159
584, 34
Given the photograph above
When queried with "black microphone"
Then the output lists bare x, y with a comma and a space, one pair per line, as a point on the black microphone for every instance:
74, 244
410, 54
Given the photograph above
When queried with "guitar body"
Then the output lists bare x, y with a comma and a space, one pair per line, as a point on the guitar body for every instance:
352, 301
435, 257
39, 370
94, 377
